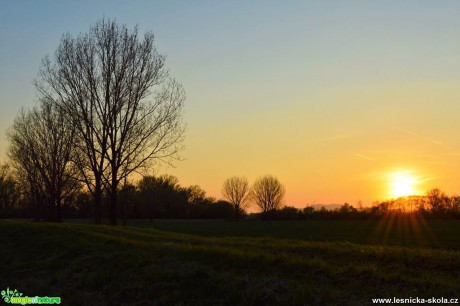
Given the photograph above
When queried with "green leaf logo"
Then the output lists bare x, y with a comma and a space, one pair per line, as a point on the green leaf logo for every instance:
8, 294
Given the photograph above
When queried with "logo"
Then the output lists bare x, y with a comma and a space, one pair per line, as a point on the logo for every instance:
15, 297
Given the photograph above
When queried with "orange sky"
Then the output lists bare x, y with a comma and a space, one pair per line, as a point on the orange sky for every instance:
341, 147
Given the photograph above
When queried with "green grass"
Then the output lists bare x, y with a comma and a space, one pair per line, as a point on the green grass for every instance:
390, 232
230, 263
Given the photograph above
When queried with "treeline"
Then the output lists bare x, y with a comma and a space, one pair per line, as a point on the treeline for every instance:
151, 198
434, 204
156, 197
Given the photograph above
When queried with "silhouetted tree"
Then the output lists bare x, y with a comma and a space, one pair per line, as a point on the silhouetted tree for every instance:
455, 205
267, 193
127, 198
9, 193
308, 212
195, 194
82, 203
116, 91
209, 208
162, 197
41, 149
347, 209
438, 201
287, 213
235, 190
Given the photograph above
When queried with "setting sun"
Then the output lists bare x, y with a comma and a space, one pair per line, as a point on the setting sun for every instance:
402, 184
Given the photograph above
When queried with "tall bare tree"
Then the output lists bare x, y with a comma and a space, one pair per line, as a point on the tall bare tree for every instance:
127, 109
267, 193
41, 148
235, 190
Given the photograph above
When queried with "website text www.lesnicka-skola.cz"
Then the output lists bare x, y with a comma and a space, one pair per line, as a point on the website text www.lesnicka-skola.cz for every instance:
416, 300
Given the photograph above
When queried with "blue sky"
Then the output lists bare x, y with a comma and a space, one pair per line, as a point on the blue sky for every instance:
326, 95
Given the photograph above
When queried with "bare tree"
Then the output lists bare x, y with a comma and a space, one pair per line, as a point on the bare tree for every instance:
437, 200
29, 181
235, 190
127, 109
267, 193
41, 148
195, 194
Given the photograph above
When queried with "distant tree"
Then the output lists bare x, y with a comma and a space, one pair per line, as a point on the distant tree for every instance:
195, 194
9, 194
267, 193
308, 212
41, 150
455, 204
210, 208
82, 203
127, 198
288, 213
437, 200
235, 191
347, 209
148, 188
360, 206
162, 196
116, 91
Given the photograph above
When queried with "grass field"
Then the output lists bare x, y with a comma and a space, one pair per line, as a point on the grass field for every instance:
232, 263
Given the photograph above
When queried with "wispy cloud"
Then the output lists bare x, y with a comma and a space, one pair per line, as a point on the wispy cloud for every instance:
364, 157
418, 135
434, 141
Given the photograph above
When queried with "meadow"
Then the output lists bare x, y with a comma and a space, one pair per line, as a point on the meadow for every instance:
182, 262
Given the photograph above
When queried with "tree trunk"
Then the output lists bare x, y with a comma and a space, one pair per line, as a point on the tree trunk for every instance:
36, 207
113, 202
58, 211
97, 203
123, 212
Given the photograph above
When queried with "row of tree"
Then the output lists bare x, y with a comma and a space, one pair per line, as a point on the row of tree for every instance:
266, 193
152, 197
163, 197
434, 204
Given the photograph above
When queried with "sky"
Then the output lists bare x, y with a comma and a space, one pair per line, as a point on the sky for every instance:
337, 99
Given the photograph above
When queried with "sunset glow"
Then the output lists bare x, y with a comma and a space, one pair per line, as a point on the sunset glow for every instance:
402, 184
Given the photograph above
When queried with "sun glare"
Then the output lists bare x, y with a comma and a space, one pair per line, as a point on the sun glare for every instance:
402, 184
